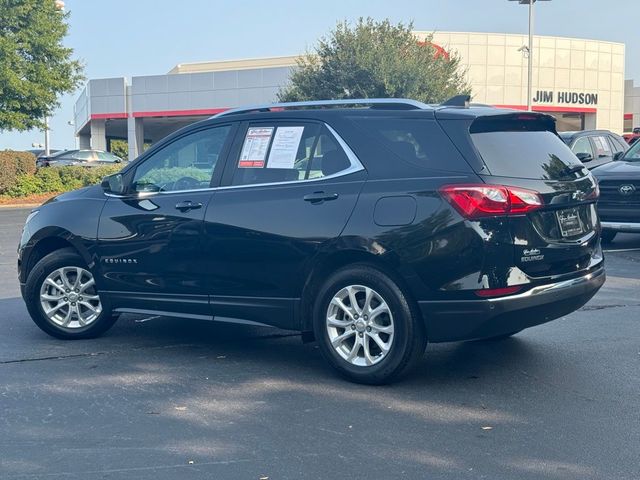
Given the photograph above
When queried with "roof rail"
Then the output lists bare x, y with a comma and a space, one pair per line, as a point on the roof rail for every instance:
390, 103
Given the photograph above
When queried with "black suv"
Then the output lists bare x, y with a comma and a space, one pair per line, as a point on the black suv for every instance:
619, 205
369, 225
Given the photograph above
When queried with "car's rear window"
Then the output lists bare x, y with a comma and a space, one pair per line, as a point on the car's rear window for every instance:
524, 151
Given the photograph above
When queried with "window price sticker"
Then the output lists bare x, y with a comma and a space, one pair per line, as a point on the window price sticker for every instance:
254, 149
285, 147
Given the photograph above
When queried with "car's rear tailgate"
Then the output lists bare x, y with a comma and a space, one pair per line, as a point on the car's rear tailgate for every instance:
562, 236
523, 150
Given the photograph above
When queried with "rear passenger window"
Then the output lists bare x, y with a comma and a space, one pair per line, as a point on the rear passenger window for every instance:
602, 146
615, 145
275, 153
408, 139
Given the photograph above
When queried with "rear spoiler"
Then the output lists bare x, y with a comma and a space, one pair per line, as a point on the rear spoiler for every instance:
458, 101
514, 122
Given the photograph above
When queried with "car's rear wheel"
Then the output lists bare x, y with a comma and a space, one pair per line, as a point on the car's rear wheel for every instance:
607, 236
63, 299
366, 326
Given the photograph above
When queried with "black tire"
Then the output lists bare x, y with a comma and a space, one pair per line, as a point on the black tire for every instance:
62, 258
607, 236
409, 337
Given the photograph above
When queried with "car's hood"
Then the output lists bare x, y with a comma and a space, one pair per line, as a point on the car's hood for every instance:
618, 168
92, 191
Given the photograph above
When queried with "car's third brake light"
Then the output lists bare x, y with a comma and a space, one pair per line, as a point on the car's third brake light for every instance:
483, 200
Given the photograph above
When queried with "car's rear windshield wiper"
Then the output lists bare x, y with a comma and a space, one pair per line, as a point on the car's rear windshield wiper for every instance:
574, 168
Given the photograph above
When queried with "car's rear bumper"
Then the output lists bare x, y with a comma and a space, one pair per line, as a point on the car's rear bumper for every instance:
470, 319
629, 227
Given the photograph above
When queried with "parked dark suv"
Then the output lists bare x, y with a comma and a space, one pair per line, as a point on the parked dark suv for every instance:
619, 204
371, 229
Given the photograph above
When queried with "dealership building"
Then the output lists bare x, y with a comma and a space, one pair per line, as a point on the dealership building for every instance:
581, 82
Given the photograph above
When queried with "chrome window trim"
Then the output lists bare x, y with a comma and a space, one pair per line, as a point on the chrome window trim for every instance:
355, 166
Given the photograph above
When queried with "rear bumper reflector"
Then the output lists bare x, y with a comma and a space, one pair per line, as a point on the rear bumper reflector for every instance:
498, 292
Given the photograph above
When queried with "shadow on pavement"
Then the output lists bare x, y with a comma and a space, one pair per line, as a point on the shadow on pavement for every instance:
165, 398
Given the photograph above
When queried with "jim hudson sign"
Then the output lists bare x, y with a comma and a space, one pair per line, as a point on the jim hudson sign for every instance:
572, 98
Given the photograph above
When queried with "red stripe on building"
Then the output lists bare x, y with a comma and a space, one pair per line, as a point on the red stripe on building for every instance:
98, 116
628, 116
180, 113
545, 108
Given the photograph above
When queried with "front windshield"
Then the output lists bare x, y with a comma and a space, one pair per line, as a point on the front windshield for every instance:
633, 154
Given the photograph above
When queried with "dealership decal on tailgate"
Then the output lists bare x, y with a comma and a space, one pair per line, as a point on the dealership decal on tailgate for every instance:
570, 222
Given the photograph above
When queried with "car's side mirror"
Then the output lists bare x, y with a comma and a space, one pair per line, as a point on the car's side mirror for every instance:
584, 157
113, 184
118, 160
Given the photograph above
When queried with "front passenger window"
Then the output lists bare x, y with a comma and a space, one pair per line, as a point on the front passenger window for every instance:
186, 164
85, 155
582, 146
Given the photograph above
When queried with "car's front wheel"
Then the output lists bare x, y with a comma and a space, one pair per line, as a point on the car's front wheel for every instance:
63, 300
366, 326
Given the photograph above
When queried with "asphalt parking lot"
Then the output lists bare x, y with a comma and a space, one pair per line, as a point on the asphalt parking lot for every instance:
163, 399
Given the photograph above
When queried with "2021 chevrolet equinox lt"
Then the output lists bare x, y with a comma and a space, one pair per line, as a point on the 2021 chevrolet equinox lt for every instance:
372, 226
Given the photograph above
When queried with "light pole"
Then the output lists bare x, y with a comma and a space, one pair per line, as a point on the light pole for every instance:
71, 123
46, 135
530, 47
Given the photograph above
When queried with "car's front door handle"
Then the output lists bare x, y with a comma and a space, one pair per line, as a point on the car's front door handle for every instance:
317, 197
187, 205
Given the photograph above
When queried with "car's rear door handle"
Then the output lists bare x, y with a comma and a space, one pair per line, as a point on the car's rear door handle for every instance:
187, 205
317, 197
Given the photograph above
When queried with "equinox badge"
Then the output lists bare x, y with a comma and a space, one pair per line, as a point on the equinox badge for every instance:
531, 255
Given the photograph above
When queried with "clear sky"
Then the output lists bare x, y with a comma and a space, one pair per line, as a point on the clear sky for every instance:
143, 37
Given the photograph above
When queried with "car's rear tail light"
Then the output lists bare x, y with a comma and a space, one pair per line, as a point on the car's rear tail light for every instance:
483, 200
497, 292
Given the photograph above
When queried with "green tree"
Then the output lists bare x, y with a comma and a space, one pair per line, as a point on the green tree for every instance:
35, 67
120, 148
375, 60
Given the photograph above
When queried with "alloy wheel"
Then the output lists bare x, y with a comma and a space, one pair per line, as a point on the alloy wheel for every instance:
360, 325
69, 298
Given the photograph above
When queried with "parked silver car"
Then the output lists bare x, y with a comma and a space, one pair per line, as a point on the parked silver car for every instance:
84, 158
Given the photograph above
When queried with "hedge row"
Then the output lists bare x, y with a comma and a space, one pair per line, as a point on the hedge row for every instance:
13, 165
57, 179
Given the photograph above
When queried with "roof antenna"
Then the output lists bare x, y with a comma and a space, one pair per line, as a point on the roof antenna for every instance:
458, 101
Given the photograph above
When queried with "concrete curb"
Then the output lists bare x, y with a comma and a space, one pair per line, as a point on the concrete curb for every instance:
19, 205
